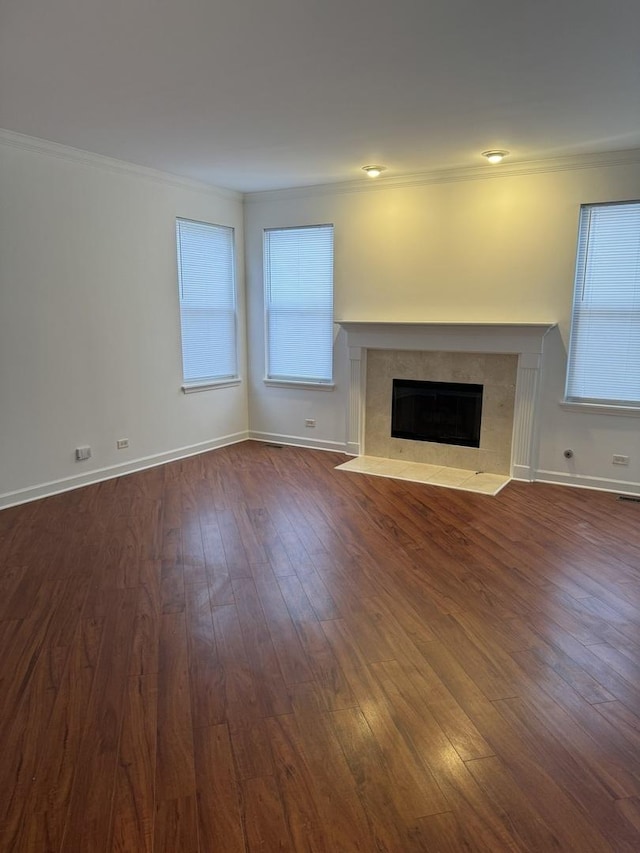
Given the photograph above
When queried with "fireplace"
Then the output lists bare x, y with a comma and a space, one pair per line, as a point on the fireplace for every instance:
443, 412
443, 375
443, 345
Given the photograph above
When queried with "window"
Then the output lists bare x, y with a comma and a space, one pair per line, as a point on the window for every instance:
298, 269
604, 353
207, 303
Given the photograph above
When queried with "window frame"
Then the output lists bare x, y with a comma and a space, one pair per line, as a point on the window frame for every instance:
205, 383
572, 402
295, 382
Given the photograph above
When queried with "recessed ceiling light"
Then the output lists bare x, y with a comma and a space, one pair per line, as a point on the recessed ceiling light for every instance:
373, 171
495, 156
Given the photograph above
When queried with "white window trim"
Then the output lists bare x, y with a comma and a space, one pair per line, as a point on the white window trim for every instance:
593, 405
198, 385
209, 385
313, 385
600, 408
295, 383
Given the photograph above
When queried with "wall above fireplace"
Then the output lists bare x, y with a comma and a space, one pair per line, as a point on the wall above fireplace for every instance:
524, 340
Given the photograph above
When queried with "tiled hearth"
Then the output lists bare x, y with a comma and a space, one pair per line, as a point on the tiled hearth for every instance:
432, 475
505, 358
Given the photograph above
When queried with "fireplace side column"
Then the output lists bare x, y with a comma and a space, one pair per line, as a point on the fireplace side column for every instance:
523, 452
355, 411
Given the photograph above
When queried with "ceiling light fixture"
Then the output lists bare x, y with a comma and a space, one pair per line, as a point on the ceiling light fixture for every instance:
373, 171
495, 156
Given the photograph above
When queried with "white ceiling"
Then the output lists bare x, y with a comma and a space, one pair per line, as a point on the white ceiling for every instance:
262, 94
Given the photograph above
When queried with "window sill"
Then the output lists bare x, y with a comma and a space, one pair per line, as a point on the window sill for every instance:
293, 383
601, 409
209, 385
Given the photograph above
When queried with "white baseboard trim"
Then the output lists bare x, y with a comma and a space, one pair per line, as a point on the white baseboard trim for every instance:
66, 484
580, 481
522, 473
296, 441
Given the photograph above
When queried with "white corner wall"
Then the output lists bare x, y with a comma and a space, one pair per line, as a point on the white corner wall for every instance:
494, 249
278, 413
89, 320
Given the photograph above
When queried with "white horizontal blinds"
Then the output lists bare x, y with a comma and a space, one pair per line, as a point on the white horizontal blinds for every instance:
299, 303
207, 301
604, 354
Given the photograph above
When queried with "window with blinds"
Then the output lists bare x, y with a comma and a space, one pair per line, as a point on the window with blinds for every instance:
206, 284
298, 270
604, 352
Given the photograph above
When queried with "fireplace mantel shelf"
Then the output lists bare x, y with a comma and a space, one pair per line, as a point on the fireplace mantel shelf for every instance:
402, 324
520, 338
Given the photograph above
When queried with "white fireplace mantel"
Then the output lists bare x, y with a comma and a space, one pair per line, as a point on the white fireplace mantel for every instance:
525, 340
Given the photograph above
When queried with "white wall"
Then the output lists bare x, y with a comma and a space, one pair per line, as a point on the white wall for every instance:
89, 320
498, 249
89, 323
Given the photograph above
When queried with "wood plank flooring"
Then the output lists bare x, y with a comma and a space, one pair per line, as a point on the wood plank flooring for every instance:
250, 651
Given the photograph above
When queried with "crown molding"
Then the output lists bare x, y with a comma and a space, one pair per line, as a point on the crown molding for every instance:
567, 163
64, 152
624, 157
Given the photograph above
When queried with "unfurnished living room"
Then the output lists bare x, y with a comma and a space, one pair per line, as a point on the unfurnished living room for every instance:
319, 426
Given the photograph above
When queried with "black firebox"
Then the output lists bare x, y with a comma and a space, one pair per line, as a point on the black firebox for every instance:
444, 412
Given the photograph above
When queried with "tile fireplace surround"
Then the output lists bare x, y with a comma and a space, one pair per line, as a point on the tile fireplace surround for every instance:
417, 348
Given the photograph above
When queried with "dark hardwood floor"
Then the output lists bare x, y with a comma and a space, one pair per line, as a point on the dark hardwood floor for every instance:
250, 651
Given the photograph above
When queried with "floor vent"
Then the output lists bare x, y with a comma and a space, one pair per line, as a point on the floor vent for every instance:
629, 498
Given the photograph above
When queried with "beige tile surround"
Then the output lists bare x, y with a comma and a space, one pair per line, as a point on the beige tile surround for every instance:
496, 372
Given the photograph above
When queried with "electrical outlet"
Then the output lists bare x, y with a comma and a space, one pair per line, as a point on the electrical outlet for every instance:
83, 453
122, 443
618, 459
310, 422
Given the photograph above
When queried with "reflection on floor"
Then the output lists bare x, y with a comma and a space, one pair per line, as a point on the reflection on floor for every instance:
434, 475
